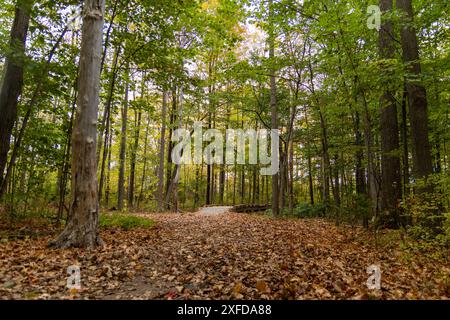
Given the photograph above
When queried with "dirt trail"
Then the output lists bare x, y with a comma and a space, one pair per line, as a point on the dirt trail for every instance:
214, 210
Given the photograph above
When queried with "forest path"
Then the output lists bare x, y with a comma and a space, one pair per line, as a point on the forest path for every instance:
214, 210
221, 256
243, 256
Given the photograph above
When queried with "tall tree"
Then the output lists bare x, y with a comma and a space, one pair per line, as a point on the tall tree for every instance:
12, 79
273, 105
123, 145
162, 146
417, 94
390, 162
82, 227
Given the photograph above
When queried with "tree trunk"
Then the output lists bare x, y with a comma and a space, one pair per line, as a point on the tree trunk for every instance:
273, 108
283, 166
404, 136
325, 160
66, 161
417, 96
12, 80
108, 173
82, 227
144, 167
162, 146
360, 172
137, 118
108, 34
107, 126
170, 144
123, 146
390, 163
172, 191
310, 174
242, 184
208, 166
234, 184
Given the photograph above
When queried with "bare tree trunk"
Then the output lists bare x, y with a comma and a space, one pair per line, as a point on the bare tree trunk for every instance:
222, 168
82, 227
391, 176
162, 146
197, 185
107, 125
310, 175
291, 178
242, 184
273, 108
325, 160
137, 118
172, 191
326, 167
372, 174
66, 162
108, 34
221, 184
254, 185
209, 169
123, 146
144, 167
360, 172
263, 186
283, 165
170, 143
404, 137
234, 184
417, 96
12, 80
108, 173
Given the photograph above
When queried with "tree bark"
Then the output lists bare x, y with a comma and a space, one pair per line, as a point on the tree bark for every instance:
404, 138
144, 167
137, 117
82, 227
107, 125
273, 108
123, 146
162, 146
390, 163
12, 80
417, 96
170, 144
172, 191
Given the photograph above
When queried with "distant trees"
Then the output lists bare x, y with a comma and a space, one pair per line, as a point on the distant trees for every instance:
354, 107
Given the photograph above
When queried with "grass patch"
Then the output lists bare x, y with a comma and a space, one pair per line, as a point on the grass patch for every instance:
124, 221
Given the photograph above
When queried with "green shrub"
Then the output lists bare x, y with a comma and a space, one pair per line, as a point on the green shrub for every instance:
306, 210
425, 217
444, 238
124, 221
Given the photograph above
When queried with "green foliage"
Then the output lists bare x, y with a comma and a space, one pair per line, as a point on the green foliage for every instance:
444, 238
425, 218
306, 210
124, 221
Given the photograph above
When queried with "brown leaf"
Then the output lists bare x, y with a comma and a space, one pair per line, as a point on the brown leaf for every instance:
261, 286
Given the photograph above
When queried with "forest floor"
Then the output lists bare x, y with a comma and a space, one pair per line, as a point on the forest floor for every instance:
222, 256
